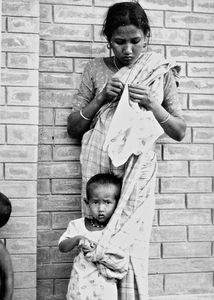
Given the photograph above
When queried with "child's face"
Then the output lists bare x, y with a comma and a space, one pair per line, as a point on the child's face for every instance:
102, 201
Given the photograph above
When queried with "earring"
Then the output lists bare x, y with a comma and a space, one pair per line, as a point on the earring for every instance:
109, 46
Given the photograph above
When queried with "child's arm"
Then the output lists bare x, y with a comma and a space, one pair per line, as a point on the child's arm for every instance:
69, 243
6, 274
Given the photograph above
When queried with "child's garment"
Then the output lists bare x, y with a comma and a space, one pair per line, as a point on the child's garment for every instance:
86, 283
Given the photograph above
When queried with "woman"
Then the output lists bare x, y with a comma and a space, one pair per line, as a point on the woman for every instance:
124, 103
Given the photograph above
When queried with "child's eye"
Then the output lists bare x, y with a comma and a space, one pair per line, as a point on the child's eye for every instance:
94, 202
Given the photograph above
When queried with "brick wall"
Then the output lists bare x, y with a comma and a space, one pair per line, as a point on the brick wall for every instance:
181, 244
181, 250
19, 138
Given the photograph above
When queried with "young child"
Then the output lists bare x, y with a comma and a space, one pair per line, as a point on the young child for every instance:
86, 283
6, 270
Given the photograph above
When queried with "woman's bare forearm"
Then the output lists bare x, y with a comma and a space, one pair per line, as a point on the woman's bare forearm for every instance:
77, 125
175, 127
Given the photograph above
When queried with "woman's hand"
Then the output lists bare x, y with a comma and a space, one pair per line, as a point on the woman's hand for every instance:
113, 88
142, 95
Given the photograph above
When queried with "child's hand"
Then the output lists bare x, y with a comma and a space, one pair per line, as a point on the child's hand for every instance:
86, 245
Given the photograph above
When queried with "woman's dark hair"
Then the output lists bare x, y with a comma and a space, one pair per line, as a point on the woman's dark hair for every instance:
123, 14
5, 209
106, 179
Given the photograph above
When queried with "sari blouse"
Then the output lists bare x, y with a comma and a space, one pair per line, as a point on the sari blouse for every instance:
96, 74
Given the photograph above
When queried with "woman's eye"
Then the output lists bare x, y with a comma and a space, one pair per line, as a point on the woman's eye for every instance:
119, 42
136, 41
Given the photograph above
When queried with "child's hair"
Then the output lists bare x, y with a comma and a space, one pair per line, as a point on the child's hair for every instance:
5, 209
123, 14
106, 179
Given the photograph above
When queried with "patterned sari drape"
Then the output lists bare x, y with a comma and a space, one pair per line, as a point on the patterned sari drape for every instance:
123, 249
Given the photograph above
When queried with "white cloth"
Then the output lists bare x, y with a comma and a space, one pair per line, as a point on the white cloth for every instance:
86, 283
134, 130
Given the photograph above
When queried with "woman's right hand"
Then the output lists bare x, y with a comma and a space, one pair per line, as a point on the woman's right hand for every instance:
113, 88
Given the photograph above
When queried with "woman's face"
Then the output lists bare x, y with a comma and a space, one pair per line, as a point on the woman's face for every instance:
127, 42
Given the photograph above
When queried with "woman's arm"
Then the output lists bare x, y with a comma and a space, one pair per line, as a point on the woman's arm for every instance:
79, 122
77, 125
173, 126
167, 114
6, 274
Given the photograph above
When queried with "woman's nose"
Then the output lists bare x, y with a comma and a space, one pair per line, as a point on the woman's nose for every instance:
128, 49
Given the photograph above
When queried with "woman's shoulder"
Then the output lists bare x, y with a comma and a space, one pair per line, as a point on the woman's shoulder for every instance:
95, 63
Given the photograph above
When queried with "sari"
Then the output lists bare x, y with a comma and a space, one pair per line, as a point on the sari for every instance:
123, 249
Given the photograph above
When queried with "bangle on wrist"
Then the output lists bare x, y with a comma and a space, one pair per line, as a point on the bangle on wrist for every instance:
166, 119
84, 117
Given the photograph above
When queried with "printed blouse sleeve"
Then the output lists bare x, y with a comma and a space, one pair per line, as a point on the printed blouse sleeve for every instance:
171, 101
70, 232
85, 92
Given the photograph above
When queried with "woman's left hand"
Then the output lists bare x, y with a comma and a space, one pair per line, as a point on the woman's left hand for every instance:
142, 95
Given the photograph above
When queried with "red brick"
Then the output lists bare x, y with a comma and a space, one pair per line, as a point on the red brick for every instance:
23, 60
57, 98
20, 42
202, 168
59, 170
199, 118
22, 134
46, 48
168, 234
27, 294
24, 280
23, 207
185, 217
45, 13
23, 24
194, 54
79, 14
200, 200
60, 220
188, 185
200, 37
20, 8
16, 246
19, 227
194, 249
201, 102
54, 271
203, 6
68, 32
189, 20
22, 96
66, 186
188, 151
59, 203
181, 265
59, 80
200, 69
56, 64
186, 283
